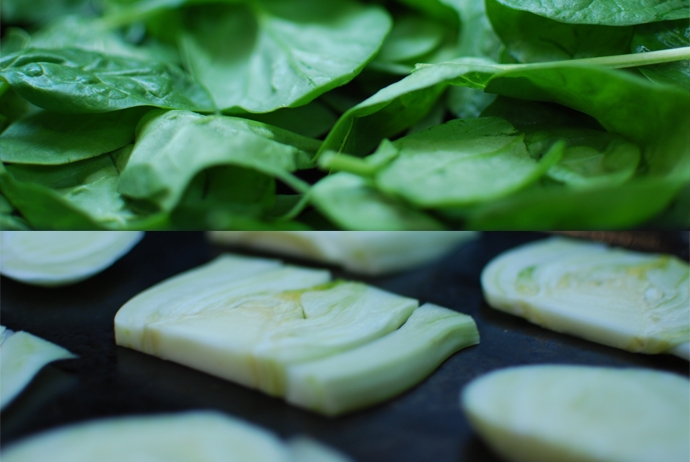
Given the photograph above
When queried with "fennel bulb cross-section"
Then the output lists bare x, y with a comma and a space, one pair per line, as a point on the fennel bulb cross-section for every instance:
630, 300
200, 436
383, 368
366, 252
256, 321
581, 414
22, 356
55, 258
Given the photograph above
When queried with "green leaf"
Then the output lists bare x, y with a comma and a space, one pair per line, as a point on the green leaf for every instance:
16, 11
462, 162
172, 147
531, 38
351, 202
80, 195
663, 36
50, 138
8, 219
555, 207
587, 88
75, 81
224, 193
604, 12
412, 36
439, 10
393, 109
477, 37
312, 120
649, 115
94, 34
283, 54
591, 157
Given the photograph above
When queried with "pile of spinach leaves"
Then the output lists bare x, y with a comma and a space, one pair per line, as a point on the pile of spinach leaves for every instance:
344, 114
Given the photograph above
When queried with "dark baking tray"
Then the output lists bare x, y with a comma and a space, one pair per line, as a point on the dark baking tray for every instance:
422, 424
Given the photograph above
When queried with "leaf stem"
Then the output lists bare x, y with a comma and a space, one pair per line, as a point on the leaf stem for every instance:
618, 61
346, 163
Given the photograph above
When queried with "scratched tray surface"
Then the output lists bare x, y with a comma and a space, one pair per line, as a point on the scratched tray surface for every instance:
422, 424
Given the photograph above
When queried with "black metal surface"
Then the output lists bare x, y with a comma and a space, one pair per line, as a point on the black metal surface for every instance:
423, 424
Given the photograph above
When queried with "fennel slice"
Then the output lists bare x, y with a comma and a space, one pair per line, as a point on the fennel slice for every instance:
305, 449
250, 328
209, 318
383, 368
22, 356
581, 413
630, 300
366, 252
55, 258
200, 436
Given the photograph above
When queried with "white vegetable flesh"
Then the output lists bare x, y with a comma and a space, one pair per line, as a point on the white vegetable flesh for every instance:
366, 252
630, 300
383, 368
305, 449
193, 436
253, 321
579, 413
22, 356
54, 258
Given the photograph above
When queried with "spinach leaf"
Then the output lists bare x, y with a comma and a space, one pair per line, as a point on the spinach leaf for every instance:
8, 219
80, 195
458, 163
104, 83
283, 54
530, 38
411, 37
50, 138
351, 202
530, 116
555, 207
477, 36
94, 34
220, 195
604, 12
649, 115
172, 147
12, 106
462, 162
590, 157
34, 11
438, 10
400, 105
311, 120
662, 36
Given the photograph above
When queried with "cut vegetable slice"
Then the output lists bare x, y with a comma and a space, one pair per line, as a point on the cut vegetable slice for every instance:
247, 325
579, 413
383, 368
52, 258
198, 436
634, 301
304, 449
368, 252
256, 321
22, 356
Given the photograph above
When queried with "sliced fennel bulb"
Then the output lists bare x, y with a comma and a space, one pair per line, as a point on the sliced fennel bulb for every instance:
367, 252
630, 300
580, 413
253, 320
54, 258
22, 356
383, 368
200, 436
